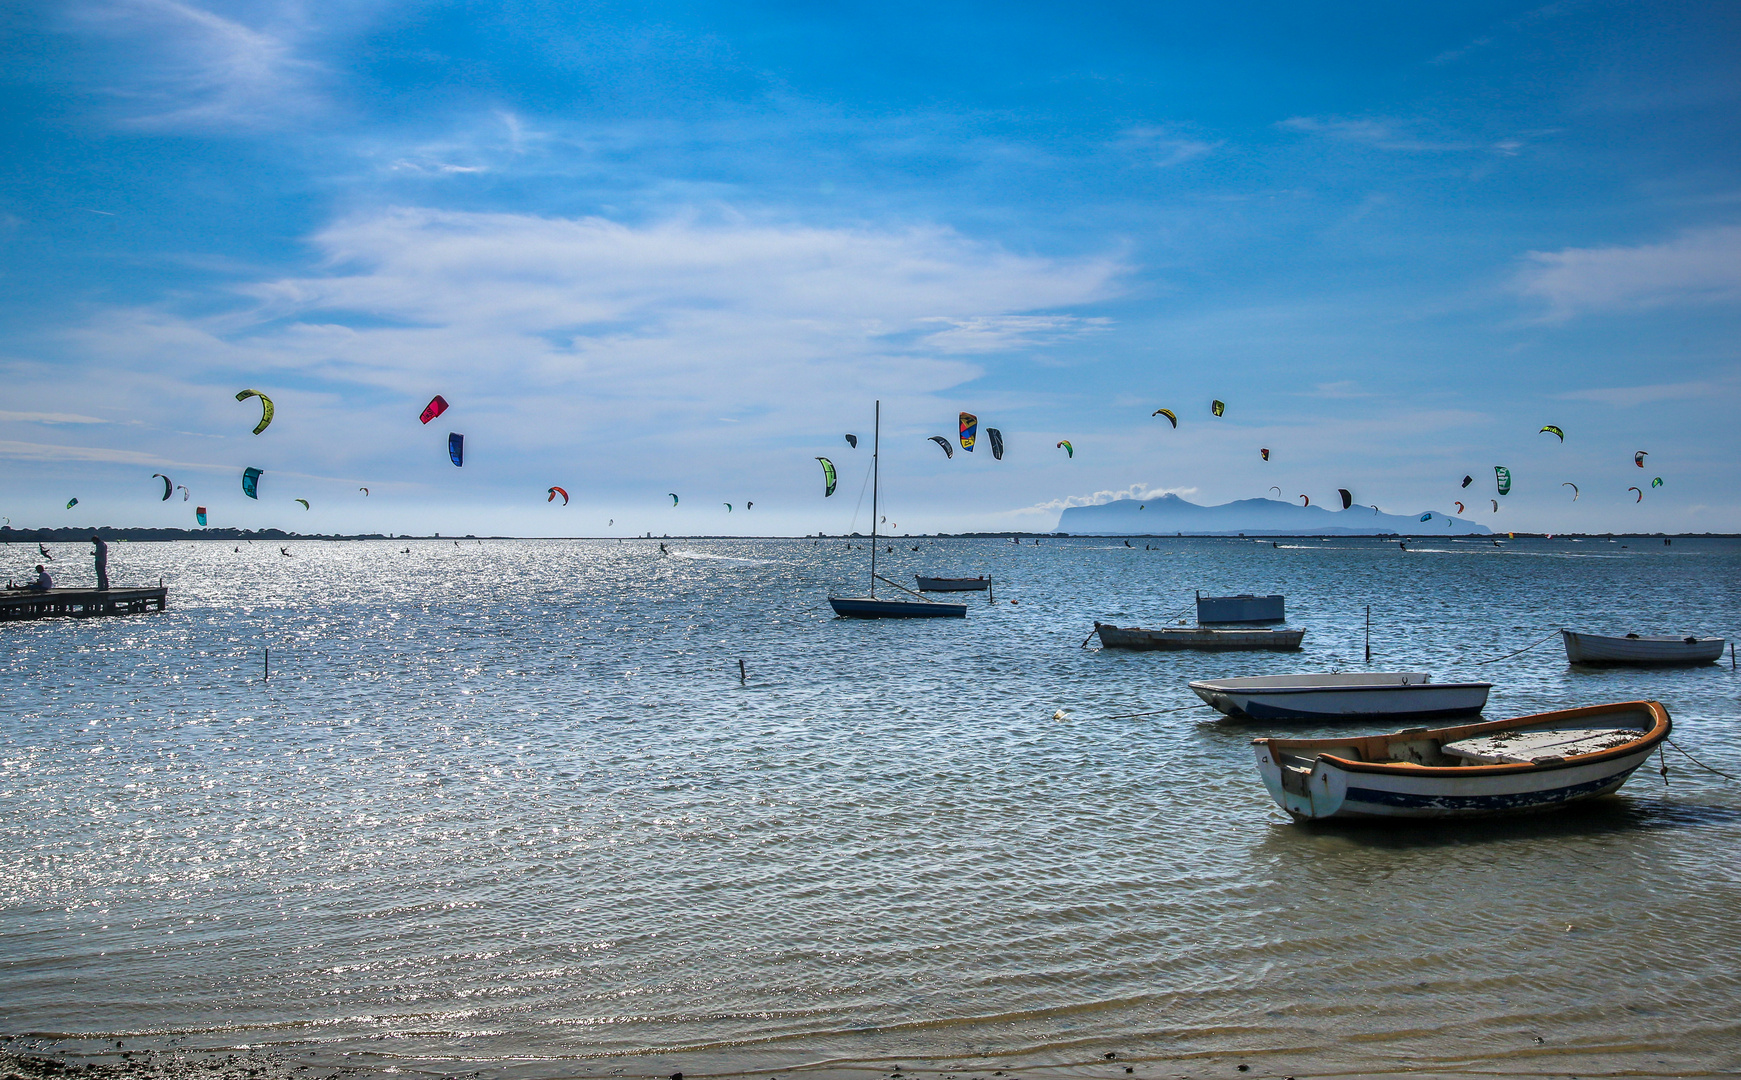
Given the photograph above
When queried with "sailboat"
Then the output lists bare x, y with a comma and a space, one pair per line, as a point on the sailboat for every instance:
870, 607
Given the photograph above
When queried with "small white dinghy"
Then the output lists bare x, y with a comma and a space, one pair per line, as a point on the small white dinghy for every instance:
1641, 651
1523, 765
1341, 696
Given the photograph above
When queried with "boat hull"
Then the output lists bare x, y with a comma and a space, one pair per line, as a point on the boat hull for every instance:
1333, 785
864, 607
1415, 701
950, 584
1197, 638
1593, 649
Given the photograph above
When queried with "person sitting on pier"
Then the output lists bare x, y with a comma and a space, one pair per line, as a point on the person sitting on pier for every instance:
43, 581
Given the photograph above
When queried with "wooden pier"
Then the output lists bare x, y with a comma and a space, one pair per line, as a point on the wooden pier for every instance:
20, 604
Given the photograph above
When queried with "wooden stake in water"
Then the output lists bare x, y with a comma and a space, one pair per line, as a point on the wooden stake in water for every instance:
266, 665
741, 675
1369, 633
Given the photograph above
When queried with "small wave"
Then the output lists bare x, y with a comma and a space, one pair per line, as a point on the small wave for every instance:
720, 558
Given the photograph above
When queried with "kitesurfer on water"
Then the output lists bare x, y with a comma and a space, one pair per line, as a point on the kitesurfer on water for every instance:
102, 556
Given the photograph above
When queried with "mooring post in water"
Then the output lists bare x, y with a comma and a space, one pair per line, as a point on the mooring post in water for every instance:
741, 675
1369, 633
266, 664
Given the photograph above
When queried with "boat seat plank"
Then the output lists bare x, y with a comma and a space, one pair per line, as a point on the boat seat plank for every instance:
1524, 747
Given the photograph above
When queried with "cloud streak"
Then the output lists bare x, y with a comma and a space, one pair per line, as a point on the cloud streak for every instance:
1700, 266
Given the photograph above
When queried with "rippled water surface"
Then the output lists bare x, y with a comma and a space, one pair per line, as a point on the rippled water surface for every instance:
509, 802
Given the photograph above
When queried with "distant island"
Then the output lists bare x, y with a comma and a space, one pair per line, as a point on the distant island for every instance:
1167, 515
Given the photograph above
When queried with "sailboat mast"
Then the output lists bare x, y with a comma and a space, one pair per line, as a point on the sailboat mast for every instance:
876, 479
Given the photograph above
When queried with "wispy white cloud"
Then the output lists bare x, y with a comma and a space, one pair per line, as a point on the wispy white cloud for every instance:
1166, 147
999, 333
1624, 396
1139, 490
49, 418
553, 330
1700, 266
190, 66
1389, 133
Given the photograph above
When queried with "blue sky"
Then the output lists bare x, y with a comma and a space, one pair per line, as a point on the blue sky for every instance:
663, 247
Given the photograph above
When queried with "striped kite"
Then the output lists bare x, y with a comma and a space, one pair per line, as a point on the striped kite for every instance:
969, 431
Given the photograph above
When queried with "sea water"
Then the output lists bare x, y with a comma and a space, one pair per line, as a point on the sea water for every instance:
508, 806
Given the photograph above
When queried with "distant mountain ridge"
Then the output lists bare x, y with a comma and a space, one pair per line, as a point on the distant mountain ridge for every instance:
1169, 514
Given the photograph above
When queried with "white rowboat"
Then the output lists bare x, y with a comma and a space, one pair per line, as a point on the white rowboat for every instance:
1410, 694
1636, 649
1524, 765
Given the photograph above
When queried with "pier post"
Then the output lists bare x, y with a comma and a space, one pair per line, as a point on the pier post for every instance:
1369, 633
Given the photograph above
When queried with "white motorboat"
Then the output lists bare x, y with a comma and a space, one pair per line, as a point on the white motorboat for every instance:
1340, 696
1641, 650
1523, 765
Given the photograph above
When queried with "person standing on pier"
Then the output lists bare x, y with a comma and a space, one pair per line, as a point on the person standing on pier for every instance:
102, 557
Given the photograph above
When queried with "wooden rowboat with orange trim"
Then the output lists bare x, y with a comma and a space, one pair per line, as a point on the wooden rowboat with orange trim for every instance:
1527, 764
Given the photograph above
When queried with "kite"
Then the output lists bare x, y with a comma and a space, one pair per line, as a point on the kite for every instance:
1347, 497
71, 503
304, 503
1277, 490
251, 483
1638, 458
828, 476
1428, 516
364, 490
184, 492
168, 488
199, 513
673, 495
265, 407
456, 448
1064, 444
969, 431
1459, 508
1637, 500
749, 505
728, 508
1265, 453
996, 438
1552, 430
555, 491
1305, 500
1502, 475
437, 405
1375, 508
948, 451
1574, 488
1657, 482
1168, 413
1495, 503
1218, 406
1467, 480
852, 441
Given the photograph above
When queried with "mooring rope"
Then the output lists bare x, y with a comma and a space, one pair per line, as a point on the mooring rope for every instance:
1699, 763
1059, 715
1519, 652
1168, 621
